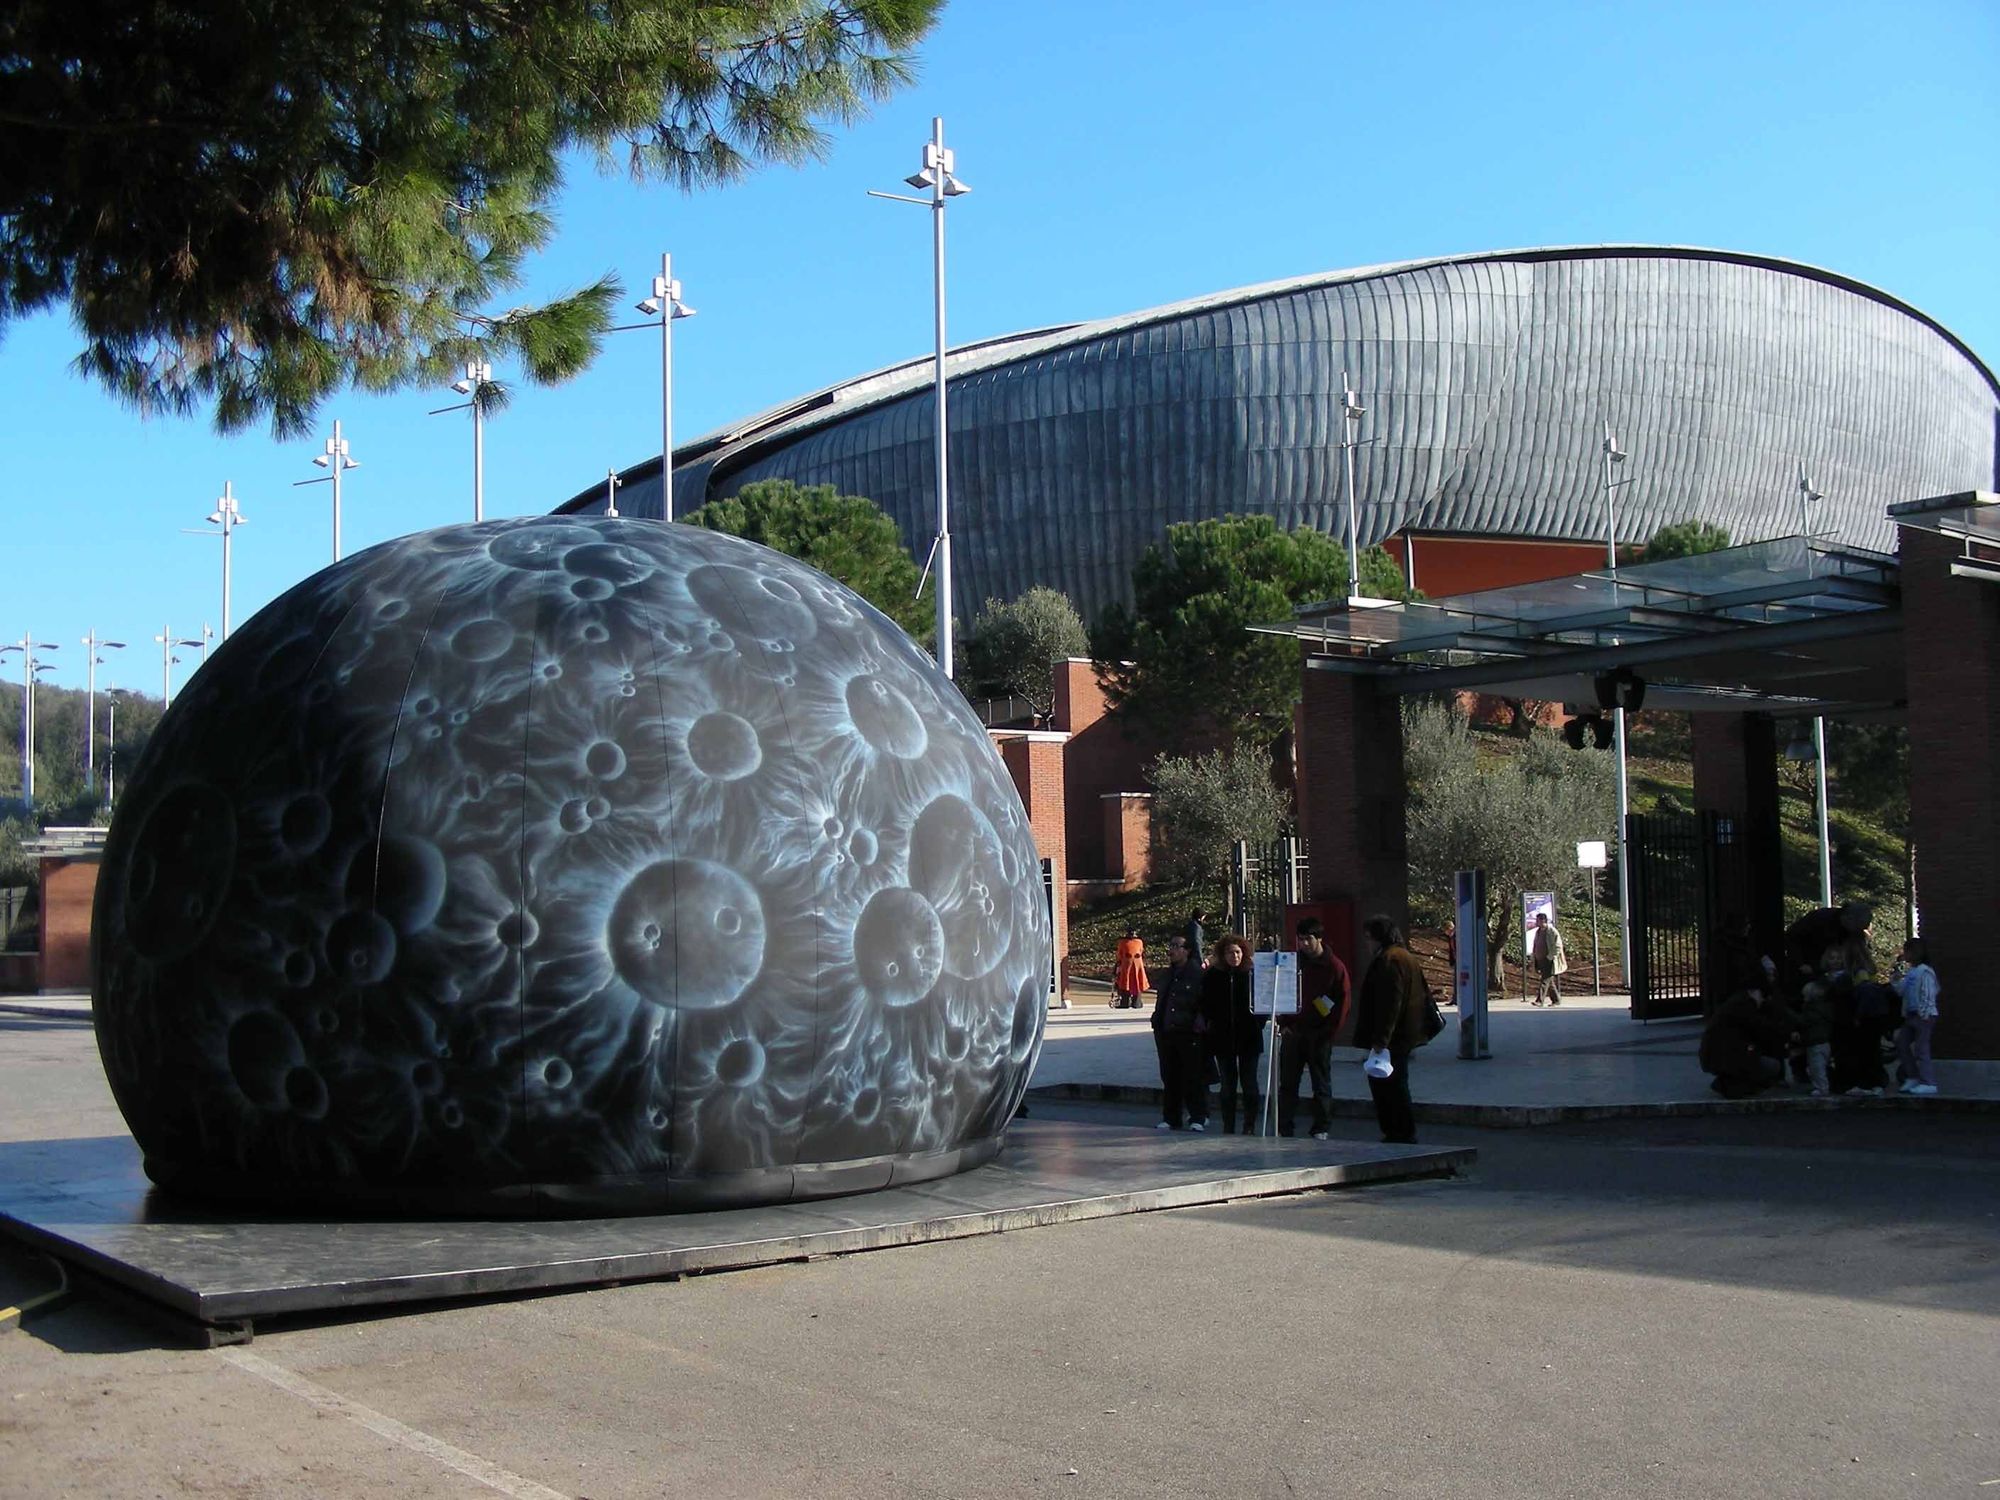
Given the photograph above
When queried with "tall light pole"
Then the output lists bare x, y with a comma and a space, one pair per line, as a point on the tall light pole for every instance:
936, 174
665, 304
28, 646
611, 483
91, 645
336, 462
111, 697
228, 516
478, 376
1352, 411
168, 661
1613, 457
1808, 498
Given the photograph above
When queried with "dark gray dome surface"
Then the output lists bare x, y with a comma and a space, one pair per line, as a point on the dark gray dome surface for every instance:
1487, 379
567, 865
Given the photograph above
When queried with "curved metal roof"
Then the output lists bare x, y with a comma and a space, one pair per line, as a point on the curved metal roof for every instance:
1487, 375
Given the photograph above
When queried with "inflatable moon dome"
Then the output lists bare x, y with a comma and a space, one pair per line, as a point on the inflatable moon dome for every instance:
567, 865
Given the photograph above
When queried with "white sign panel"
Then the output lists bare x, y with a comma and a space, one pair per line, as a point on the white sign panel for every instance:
1592, 855
1274, 984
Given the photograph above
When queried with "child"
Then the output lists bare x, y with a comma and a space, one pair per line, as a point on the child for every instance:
1816, 1028
1917, 983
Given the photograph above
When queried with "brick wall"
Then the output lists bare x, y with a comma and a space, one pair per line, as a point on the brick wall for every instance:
1736, 773
69, 886
1352, 794
1128, 837
1035, 762
1951, 646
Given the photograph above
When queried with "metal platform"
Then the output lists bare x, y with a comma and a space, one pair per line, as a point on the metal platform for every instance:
88, 1203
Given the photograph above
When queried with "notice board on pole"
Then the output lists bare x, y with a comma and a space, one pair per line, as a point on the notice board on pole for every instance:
1274, 984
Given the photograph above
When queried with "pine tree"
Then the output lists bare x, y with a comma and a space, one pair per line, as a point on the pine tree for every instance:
248, 204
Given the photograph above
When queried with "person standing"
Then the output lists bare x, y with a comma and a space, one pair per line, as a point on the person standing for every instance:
1235, 1035
1545, 948
1196, 933
1305, 1040
1916, 982
1177, 1039
1391, 1018
1128, 975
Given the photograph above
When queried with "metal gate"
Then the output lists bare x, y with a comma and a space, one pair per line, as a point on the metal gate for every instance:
1265, 878
1687, 876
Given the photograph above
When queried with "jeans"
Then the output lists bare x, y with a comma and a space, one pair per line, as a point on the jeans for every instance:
1299, 1051
1548, 987
1818, 1055
1239, 1077
1913, 1048
1183, 1077
1393, 1110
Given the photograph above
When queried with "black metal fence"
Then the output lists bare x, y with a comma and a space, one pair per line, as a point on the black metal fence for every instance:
1688, 875
1264, 878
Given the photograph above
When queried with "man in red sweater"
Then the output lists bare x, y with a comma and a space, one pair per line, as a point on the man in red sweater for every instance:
1305, 1040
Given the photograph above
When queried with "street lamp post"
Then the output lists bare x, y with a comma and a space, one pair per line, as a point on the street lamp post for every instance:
111, 697
611, 483
168, 661
472, 385
1352, 411
1808, 498
665, 304
336, 462
91, 643
936, 174
1613, 457
228, 516
28, 646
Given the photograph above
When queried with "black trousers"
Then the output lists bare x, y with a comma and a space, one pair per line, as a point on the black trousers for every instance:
1183, 1077
1239, 1081
1299, 1052
1393, 1110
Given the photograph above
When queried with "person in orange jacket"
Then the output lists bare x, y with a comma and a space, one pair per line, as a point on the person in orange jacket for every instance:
1128, 978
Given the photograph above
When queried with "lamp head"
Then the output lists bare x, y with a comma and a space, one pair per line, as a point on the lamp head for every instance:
682, 310
921, 179
953, 188
463, 387
648, 306
319, 461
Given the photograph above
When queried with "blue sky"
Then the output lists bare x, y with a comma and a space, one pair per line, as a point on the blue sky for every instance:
1121, 155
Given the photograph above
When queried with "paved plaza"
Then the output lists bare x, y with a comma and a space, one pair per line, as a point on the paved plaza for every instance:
1802, 1303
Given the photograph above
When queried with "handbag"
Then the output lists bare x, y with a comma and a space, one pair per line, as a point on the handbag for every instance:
1377, 1064
1433, 1017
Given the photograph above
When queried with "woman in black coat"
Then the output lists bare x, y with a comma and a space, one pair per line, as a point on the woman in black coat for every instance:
1235, 1036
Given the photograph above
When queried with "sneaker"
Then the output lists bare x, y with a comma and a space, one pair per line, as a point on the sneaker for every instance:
1163, 1125
1858, 1092
1820, 1093
1319, 1135
1198, 1127
1906, 1086
1923, 1088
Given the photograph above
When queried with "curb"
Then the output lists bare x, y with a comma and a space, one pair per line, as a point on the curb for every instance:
1525, 1116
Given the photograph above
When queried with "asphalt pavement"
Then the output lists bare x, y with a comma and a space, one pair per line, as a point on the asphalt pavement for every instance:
1773, 1306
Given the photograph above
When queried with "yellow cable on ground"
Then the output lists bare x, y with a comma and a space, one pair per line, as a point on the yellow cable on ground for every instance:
10, 1317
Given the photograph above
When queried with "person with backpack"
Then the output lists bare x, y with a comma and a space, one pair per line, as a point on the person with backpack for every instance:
1393, 1019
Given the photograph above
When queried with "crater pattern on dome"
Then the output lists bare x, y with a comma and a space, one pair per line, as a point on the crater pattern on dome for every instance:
568, 864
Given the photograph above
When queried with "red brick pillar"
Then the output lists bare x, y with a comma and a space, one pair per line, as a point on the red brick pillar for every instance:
1035, 762
69, 887
1736, 775
1352, 794
1951, 651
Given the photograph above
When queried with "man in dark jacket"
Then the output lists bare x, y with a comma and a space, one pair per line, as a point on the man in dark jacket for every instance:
1305, 1040
1391, 1017
1183, 1058
1744, 1045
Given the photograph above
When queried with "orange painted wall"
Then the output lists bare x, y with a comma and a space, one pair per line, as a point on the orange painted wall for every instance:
1465, 564
68, 888
1035, 762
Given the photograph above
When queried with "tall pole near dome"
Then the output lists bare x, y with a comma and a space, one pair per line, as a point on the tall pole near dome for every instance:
936, 174
1808, 498
1613, 457
1351, 411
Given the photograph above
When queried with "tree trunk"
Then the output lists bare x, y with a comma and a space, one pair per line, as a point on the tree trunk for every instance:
1496, 948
